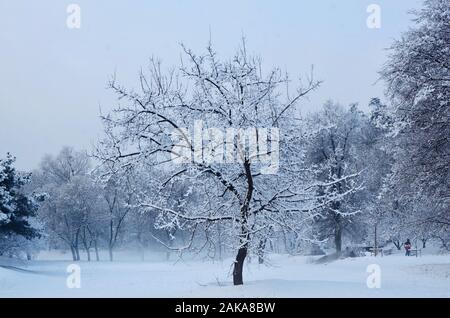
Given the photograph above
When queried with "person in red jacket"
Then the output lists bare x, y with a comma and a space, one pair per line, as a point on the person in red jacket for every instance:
407, 246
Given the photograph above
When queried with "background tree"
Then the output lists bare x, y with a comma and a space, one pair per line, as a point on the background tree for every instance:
374, 155
418, 82
64, 178
333, 157
118, 194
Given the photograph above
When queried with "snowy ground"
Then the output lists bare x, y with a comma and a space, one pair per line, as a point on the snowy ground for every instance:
286, 276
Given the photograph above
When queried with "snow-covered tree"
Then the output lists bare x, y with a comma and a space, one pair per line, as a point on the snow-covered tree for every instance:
233, 187
71, 201
16, 207
418, 78
375, 201
333, 156
117, 192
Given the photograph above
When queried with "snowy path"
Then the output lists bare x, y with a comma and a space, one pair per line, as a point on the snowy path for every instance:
427, 276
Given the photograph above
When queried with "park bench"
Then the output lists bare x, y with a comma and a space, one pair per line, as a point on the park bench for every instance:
380, 250
376, 251
415, 252
388, 251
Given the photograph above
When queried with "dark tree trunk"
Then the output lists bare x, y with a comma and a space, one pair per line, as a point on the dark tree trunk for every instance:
239, 266
74, 255
424, 243
397, 244
338, 238
337, 228
376, 241
77, 253
245, 235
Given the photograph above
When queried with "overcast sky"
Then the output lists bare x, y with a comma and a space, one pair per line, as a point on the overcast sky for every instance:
53, 79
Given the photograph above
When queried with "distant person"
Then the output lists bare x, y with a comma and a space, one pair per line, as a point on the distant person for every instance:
407, 245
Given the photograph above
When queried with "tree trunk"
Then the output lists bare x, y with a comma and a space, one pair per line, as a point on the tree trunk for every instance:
110, 250
111, 239
337, 228
141, 245
74, 255
375, 252
287, 244
87, 247
397, 244
239, 266
77, 249
97, 256
424, 242
338, 238
88, 253
169, 243
245, 235
261, 248
219, 236
77, 252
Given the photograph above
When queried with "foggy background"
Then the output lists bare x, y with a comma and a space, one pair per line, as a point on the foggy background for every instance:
53, 79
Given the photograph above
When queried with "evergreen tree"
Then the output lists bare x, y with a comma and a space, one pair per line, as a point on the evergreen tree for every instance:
16, 207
